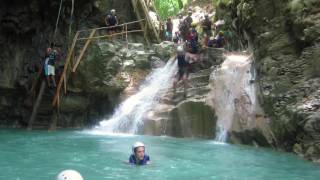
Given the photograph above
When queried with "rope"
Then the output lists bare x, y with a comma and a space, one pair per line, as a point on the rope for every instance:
58, 18
71, 17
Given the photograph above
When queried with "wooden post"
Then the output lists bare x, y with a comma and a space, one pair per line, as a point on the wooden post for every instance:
54, 120
65, 68
83, 50
122, 32
126, 36
36, 105
65, 83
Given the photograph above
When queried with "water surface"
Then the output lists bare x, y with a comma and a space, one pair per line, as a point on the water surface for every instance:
39, 155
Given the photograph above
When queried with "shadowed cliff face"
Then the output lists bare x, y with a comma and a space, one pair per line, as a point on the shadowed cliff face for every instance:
284, 37
26, 29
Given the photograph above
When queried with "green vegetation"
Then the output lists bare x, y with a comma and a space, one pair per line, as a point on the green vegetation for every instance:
169, 7
221, 3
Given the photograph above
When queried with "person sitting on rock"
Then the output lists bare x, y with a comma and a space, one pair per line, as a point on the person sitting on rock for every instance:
111, 21
139, 157
211, 42
220, 41
183, 67
169, 27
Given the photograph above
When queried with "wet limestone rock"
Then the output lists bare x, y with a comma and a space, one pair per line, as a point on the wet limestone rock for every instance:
284, 38
165, 49
192, 118
187, 114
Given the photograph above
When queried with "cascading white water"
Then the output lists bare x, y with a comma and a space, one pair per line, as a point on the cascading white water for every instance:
233, 93
129, 116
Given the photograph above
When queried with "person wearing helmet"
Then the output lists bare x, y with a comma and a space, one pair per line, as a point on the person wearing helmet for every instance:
183, 66
189, 19
220, 40
69, 175
111, 20
139, 157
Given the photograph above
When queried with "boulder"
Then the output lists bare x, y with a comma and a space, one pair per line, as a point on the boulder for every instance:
165, 49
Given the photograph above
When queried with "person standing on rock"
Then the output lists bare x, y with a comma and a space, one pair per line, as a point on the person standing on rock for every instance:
206, 27
111, 21
169, 27
185, 25
189, 19
183, 66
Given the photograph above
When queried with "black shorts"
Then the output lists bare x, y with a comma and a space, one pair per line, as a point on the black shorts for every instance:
111, 28
182, 72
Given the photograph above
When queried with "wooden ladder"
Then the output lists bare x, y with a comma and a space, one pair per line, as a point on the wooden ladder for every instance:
68, 65
139, 5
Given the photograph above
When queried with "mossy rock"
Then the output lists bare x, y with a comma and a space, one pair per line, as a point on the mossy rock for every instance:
74, 104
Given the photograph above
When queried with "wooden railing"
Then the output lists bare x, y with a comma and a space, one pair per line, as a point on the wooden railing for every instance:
141, 8
63, 77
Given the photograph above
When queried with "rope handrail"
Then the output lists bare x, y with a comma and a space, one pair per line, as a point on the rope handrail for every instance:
104, 36
108, 27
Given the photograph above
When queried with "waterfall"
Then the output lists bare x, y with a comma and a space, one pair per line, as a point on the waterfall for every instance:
233, 94
129, 116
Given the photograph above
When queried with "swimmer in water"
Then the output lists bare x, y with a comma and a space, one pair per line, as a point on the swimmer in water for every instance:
139, 157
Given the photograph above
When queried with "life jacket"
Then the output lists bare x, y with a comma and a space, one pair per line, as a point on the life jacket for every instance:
112, 20
211, 43
52, 58
133, 160
219, 42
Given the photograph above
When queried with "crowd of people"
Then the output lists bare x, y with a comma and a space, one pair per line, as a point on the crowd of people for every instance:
187, 32
187, 38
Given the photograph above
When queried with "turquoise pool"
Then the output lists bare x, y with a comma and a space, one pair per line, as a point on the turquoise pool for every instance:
39, 155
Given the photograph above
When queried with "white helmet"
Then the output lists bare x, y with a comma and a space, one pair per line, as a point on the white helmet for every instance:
113, 10
137, 144
180, 49
69, 175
